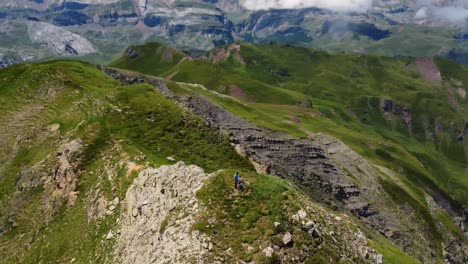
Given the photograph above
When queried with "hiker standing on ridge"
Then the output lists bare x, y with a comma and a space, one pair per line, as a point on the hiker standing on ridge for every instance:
236, 179
240, 182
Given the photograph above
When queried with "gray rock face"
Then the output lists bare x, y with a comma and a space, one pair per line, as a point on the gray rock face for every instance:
59, 40
159, 211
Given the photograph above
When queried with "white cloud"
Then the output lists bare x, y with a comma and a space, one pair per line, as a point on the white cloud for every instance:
455, 12
421, 14
336, 5
452, 14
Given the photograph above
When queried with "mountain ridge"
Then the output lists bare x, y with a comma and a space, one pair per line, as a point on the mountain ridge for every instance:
360, 136
69, 178
231, 62
387, 28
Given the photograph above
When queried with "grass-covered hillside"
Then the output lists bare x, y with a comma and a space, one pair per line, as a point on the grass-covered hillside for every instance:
409, 114
144, 58
115, 130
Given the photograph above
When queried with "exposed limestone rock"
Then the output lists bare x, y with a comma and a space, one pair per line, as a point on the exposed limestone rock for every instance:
325, 228
65, 174
109, 235
287, 239
96, 208
158, 213
59, 40
53, 127
268, 251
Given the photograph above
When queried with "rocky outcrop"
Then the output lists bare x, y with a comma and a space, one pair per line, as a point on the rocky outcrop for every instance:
337, 229
391, 110
157, 216
59, 40
65, 172
300, 160
131, 53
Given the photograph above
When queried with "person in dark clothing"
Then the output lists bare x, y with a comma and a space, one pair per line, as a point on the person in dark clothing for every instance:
240, 183
236, 179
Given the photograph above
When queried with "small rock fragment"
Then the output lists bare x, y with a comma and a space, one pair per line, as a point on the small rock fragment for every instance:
302, 214
268, 251
287, 239
109, 235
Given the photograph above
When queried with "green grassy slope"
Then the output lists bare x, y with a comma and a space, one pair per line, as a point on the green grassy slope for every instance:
117, 125
155, 60
246, 219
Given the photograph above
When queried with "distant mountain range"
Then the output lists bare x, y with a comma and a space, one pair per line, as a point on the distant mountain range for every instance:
99, 30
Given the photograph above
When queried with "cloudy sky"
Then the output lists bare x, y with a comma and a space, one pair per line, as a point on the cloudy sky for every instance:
338, 5
455, 12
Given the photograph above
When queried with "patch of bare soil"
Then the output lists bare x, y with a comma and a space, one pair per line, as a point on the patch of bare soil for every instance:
233, 49
236, 91
295, 119
428, 70
219, 56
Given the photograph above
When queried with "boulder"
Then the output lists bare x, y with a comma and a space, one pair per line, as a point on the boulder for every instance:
287, 239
